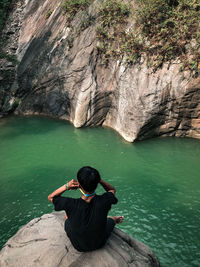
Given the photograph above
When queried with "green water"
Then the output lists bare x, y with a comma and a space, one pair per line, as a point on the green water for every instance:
157, 181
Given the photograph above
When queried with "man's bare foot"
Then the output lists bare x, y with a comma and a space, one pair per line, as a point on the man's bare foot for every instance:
117, 219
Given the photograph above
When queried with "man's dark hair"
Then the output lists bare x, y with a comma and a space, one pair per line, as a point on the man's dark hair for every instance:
88, 178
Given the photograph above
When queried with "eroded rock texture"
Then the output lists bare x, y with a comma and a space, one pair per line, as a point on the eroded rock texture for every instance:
43, 242
61, 75
8, 64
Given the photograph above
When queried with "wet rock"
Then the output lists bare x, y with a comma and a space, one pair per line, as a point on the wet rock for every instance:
43, 242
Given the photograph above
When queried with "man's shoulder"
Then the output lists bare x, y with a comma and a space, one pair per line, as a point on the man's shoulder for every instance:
108, 197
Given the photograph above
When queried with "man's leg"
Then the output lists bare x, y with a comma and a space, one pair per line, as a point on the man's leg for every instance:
111, 221
117, 219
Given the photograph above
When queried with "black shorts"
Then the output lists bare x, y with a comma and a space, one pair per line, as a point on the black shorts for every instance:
109, 227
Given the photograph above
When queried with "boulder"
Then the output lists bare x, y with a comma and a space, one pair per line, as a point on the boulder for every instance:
43, 242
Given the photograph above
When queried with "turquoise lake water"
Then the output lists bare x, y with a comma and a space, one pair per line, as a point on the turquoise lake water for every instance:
157, 181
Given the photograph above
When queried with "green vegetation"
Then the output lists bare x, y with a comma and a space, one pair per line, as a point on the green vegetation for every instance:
4, 8
113, 18
157, 30
11, 58
170, 29
48, 14
164, 30
16, 103
71, 7
86, 22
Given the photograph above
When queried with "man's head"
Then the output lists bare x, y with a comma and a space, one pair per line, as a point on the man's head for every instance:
88, 178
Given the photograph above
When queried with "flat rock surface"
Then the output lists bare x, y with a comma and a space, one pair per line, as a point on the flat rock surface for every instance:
43, 242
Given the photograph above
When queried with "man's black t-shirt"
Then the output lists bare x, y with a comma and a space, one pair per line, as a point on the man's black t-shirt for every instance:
86, 224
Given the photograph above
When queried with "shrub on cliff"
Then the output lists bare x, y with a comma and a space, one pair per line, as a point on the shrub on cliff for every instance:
112, 20
157, 30
71, 7
171, 28
163, 31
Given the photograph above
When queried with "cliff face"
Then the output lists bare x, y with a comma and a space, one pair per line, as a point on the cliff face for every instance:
60, 74
43, 242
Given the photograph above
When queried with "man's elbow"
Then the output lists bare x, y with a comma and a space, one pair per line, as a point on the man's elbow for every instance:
113, 191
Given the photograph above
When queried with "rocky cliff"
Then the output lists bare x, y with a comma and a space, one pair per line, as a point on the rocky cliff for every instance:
60, 74
43, 242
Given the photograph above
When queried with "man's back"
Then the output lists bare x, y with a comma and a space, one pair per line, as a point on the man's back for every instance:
86, 223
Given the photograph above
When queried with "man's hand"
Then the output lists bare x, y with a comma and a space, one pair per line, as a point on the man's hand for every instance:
73, 184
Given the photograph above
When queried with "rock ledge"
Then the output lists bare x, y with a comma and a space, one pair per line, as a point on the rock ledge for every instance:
42, 242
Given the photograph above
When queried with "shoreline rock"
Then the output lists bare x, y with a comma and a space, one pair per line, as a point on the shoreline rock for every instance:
43, 242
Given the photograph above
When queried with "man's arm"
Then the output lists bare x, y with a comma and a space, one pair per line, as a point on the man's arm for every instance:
57, 192
73, 184
108, 187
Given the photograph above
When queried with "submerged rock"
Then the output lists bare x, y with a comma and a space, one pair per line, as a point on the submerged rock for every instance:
43, 242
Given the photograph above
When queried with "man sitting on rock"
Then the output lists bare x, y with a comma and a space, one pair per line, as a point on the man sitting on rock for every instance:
87, 225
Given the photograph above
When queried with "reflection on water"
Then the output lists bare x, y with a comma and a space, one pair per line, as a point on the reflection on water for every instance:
157, 181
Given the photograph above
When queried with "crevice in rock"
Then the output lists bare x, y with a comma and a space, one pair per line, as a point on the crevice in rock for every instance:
23, 244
